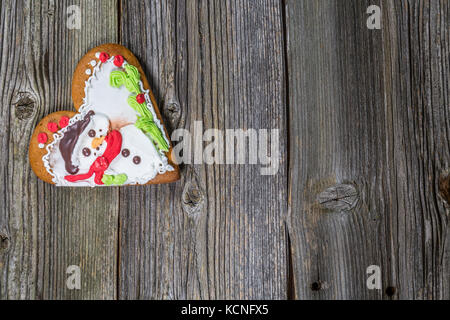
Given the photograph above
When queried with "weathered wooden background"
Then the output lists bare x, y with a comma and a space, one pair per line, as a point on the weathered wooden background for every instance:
364, 173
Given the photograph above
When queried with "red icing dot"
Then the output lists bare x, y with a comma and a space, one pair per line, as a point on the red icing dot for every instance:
118, 60
140, 98
42, 137
63, 122
103, 57
53, 127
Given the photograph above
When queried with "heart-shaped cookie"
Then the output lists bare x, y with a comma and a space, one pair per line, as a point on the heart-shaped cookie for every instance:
117, 137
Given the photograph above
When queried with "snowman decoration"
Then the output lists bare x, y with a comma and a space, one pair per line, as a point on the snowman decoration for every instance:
116, 139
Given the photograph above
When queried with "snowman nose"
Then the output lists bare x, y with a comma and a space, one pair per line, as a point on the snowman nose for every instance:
97, 141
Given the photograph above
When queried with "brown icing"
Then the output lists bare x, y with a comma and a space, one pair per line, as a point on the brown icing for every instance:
137, 160
68, 142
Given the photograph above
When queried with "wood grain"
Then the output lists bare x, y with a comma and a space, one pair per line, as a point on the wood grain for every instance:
364, 137
219, 232
369, 108
46, 229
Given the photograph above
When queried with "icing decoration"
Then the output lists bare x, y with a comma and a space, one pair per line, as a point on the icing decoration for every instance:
97, 55
130, 79
149, 126
88, 72
125, 153
107, 105
53, 127
140, 98
114, 144
118, 61
103, 57
63, 122
96, 142
119, 179
42, 137
68, 142
93, 63
138, 144
136, 159
108, 179
86, 152
41, 145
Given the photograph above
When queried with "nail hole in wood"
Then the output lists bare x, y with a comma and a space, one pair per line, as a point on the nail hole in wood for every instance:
316, 286
341, 197
390, 291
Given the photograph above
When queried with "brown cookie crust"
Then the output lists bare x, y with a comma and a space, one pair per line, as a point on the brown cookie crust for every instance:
35, 153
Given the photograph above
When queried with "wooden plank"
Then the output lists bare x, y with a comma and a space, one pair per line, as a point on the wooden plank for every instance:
44, 229
369, 142
219, 232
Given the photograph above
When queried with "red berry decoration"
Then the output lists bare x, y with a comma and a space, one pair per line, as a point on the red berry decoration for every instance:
103, 57
118, 60
63, 122
42, 137
53, 127
140, 98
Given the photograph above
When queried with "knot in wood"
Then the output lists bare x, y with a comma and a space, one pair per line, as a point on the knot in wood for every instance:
172, 107
444, 187
192, 199
4, 242
24, 105
172, 112
341, 197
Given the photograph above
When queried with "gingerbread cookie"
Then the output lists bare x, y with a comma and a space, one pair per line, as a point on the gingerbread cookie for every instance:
117, 137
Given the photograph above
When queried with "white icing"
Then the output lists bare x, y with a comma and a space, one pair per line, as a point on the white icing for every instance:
139, 145
98, 122
41, 145
97, 55
103, 98
111, 109
88, 72
93, 63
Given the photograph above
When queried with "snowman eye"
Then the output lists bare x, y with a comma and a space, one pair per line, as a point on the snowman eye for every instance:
136, 159
125, 153
91, 133
86, 152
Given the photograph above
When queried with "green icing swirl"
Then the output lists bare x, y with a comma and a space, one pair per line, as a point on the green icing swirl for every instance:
130, 78
108, 179
149, 126
120, 179
117, 180
117, 79
133, 73
140, 108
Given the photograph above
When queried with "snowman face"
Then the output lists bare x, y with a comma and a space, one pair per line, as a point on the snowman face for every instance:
91, 144
138, 158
